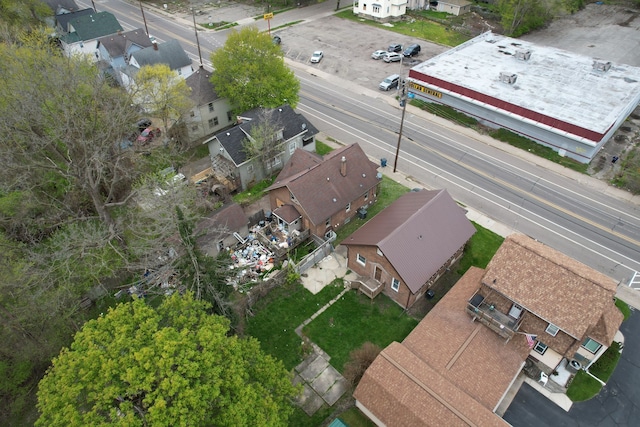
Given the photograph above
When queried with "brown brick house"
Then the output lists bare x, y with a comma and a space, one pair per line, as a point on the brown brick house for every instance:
328, 191
569, 307
408, 246
456, 366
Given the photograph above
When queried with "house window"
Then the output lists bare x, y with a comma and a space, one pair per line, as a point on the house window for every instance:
229, 116
552, 330
277, 161
215, 121
211, 106
395, 284
292, 147
591, 345
327, 223
376, 9
361, 260
250, 168
348, 207
211, 123
540, 347
366, 196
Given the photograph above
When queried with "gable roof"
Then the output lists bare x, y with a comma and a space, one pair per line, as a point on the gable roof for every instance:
202, 90
417, 233
169, 52
90, 26
118, 44
449, 371
322, 190
551, 285
292, 124
64, 19
221, 223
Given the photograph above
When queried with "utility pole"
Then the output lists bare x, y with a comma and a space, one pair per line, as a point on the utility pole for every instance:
193, 14
144, 19
403, 104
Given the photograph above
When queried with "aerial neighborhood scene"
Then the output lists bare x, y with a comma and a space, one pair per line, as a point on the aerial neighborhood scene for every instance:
320, 213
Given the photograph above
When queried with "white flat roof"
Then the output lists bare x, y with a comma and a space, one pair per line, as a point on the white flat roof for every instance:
552, 82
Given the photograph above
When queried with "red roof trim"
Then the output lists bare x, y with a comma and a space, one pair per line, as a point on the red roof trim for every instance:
512, 108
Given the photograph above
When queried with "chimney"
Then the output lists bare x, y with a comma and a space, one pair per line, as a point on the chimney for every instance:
343, 166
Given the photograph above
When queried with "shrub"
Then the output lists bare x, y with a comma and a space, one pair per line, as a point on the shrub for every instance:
359, 360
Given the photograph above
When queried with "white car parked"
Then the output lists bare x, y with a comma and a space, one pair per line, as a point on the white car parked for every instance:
316, 56
378, 54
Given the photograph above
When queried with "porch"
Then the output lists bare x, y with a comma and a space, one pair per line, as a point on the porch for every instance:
486, 312
368, 286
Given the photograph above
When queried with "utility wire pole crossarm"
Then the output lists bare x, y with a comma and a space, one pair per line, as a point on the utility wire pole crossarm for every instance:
403, 104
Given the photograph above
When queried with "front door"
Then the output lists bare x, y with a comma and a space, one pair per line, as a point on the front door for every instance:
377, 274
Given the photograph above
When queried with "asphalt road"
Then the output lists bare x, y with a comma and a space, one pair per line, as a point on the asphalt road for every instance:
573, 213
618, 403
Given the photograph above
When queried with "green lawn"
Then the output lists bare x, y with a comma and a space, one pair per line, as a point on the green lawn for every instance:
356, 319
280, 312
583, 387
480, 249
624, 308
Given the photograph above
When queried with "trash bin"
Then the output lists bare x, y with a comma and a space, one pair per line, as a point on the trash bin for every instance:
383, 162
430, 294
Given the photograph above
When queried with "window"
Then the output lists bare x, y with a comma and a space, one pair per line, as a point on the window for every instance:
250, 168
376, 9
361, 260
229, 117
348, 207
292, 147
366, 196
395, 284
277, 161
327, 223
540, 347
211, 106
211, 123
591, 345
552, 330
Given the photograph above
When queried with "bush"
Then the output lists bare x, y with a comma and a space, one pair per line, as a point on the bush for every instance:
359, 360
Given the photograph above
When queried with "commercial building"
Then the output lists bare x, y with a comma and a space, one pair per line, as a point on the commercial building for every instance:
569, 102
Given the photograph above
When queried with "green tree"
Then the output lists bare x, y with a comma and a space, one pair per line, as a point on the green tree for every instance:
174, 365
24, 13
162, 93
522, 16
250, 71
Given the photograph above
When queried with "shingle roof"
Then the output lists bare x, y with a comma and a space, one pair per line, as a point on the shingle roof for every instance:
321, 190
551, 285
117, 44
92, 26
448, 372
417, 233
292, 124
288, 213
221, 223
169, 52
64, 19
202, 91
58, 5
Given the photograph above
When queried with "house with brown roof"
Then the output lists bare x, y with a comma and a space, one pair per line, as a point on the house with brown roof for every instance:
565, 306
326, 192
407, 247
219, 230
210, 113
457, 365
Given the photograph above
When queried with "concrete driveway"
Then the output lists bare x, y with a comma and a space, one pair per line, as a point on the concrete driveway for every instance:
617, 404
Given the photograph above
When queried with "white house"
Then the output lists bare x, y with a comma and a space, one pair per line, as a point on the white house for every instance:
82, 33
380, 10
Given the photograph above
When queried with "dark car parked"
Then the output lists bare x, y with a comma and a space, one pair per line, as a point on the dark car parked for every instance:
412, 50
394, 47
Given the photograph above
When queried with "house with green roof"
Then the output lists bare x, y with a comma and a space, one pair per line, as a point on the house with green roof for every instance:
82, 33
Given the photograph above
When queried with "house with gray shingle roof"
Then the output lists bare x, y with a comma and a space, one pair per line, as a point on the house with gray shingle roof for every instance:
328, 191
456, 366
231, 163
210, 113
115, 50
61, 7
217, 231
407, 247
81, 33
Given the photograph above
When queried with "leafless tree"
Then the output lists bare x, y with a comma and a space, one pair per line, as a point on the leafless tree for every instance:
265, 140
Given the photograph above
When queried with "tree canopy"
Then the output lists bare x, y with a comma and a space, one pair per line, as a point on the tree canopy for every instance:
174, 365
250, 71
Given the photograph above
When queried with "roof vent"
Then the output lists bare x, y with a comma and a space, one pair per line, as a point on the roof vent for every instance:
280, 110
228, 134
304, 126
601, 66
334, 200
523, 55
509, 78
